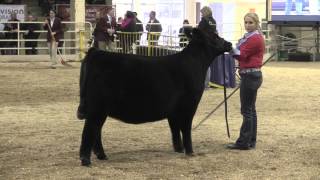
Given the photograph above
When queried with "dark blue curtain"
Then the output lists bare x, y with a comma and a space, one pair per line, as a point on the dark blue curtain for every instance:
217, 71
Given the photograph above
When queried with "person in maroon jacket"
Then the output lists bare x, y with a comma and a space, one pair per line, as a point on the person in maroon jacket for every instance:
101, 31
249, 52
54, 34
128, 25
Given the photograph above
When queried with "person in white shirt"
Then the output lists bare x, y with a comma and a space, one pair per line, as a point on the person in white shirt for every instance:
54, 34
111, 25
154, 29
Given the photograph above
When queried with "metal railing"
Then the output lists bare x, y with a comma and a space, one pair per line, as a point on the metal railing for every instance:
285, 46
69, 39
148, 44
169, 41
164, 43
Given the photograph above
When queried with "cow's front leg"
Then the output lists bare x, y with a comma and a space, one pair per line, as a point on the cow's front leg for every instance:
89, 136
98, 147
176, 137
186, 119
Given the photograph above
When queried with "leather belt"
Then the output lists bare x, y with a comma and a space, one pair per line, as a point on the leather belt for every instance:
249, 70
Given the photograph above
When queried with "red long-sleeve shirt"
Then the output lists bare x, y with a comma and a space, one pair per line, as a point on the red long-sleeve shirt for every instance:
251, 52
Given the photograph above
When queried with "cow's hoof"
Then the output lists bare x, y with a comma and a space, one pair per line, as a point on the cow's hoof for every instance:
102, 156
85, 162
189, 154
178, 150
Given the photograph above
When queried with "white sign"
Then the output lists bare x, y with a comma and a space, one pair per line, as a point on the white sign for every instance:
6, 10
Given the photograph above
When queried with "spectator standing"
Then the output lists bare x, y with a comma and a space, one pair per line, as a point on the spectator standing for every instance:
111, 26
207, 24
2, 37
12, 27
154, 29
139, 28
30, 34
183, 39
101, 32
119, 22
298, 7
54, 27
128, 26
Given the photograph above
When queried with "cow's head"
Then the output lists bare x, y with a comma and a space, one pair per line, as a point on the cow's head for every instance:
210, 40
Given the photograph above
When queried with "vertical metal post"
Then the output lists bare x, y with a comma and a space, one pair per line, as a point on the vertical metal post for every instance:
81, 44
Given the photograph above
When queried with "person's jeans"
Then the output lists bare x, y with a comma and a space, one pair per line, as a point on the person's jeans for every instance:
288, 7
52, 46
298, 7
250, 83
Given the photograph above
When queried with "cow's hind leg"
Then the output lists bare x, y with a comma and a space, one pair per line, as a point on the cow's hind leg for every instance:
89, 139
186, 134
176, 137
98, 147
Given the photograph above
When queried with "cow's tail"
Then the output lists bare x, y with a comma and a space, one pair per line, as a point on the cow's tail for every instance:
84, 69
83, 74
81, 113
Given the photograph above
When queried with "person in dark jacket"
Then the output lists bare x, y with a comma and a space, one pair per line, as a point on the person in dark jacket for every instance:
154, 29
183, 39
128, 26
12, 27
2, 37
139, 28
101, 32
54, 34
207, 24
30, 34
111, 26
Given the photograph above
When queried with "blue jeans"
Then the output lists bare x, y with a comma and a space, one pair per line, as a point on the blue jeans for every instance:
298, 7
250, 83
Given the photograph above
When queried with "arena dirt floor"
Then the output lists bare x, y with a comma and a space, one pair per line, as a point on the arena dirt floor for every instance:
40, 135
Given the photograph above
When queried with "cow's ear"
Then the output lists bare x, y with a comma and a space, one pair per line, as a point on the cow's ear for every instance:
195, 30
196, 33
188, 32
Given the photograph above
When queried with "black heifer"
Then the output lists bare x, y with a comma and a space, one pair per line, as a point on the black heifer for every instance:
138, 89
